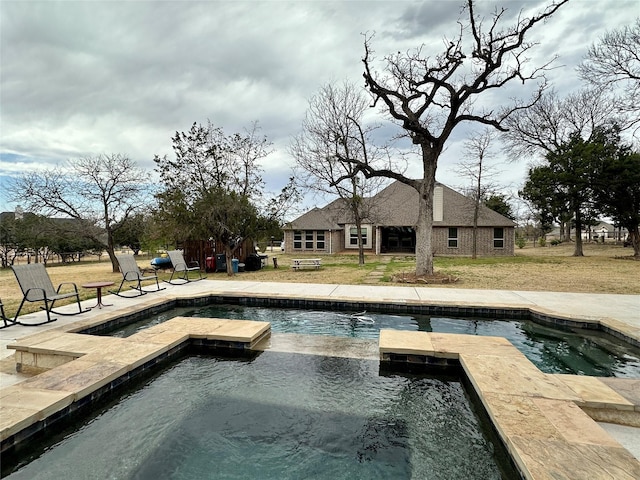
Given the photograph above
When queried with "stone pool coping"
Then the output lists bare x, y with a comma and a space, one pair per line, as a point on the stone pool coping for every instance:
80, 368
540, 418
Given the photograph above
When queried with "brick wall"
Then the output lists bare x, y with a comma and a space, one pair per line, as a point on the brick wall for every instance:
484, 244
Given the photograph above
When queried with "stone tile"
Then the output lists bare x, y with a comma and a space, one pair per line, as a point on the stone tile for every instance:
166, 339
629, 388
218, 329
68, 343
560, 460
513, 374
406, 342
594, 393
241, 331
15, 418
37, 338
572, 423
80, 377
130, 354
450, 345
21, 407
518, 415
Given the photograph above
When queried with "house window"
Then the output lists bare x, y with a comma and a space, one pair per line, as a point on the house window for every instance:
308, 240
297, 239
352, 241
498, 238
453, 237
320, 240
353, 236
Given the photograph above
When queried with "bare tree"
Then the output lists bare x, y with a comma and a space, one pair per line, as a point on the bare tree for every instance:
551, 122
477, 168
430, 97
613, 64
332, 139
548, 126
100, 191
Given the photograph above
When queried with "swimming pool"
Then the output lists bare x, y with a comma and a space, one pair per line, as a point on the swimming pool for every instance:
281, 416
552, 350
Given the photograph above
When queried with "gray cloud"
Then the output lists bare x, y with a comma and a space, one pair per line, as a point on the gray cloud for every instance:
88, 77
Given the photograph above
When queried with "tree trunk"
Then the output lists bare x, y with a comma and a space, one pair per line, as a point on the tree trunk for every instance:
424, 227
474, 245
111, 251
634, 236
358, 222
578, 246
228, 251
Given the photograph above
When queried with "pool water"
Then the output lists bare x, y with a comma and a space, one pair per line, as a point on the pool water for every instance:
571, 351
278, 416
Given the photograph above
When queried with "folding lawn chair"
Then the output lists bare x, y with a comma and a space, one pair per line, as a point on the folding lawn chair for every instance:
36, 286
181, 269
131, 273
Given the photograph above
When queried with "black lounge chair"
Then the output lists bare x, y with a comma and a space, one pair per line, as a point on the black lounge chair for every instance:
36, 286
131, 273
181, 269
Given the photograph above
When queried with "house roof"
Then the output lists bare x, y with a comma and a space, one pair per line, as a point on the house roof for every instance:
316, 219
397, 206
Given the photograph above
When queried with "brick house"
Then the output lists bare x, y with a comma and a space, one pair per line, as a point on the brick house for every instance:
390, 226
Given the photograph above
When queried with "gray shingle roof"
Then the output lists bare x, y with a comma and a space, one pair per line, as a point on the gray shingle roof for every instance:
316, 219
397, 205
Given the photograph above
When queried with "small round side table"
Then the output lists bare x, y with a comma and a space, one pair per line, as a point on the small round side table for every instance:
99, 286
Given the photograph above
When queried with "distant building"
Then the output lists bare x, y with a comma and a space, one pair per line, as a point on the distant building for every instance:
390, 226
596, 232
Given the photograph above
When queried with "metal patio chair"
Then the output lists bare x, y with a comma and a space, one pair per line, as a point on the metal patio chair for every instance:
7, 321
181, 269
131, 273
36, 286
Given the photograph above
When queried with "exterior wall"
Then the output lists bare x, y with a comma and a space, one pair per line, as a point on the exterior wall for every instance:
333, 242
484, 242
336, 241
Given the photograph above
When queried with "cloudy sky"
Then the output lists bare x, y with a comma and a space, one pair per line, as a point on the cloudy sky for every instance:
81, 78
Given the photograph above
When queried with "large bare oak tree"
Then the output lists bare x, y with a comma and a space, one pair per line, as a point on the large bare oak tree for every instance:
429, 97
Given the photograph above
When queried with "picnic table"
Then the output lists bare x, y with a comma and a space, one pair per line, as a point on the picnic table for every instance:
298, 263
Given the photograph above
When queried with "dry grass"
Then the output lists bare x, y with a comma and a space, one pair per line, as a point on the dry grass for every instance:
603, 269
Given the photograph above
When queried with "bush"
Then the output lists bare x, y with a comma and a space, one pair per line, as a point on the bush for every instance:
542, 241
521, 242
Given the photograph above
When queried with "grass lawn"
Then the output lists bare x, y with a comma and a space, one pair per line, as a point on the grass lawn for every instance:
603, 269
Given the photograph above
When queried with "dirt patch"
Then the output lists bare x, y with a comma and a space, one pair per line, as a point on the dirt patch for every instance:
435, 279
